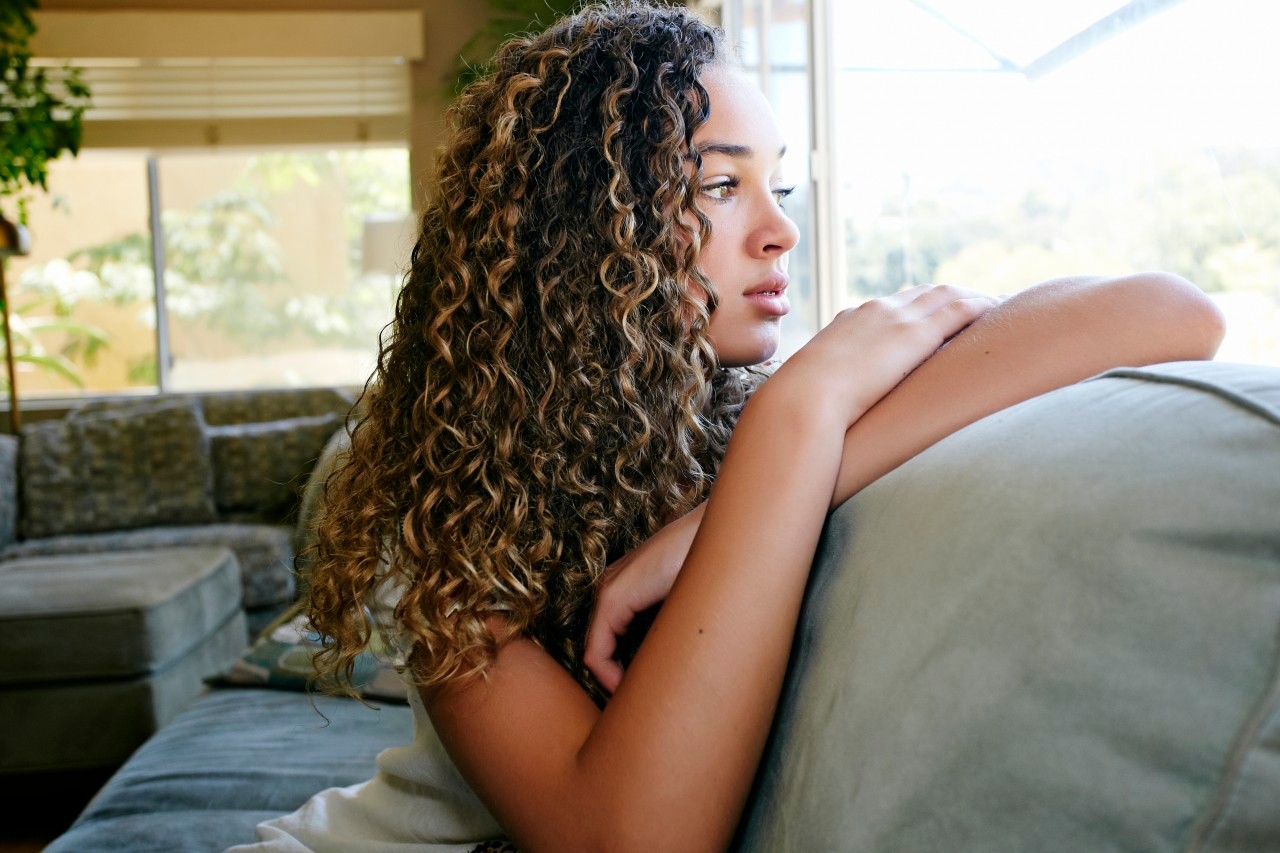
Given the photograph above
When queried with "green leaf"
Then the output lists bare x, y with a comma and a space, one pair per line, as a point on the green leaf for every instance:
40, 117
55, 364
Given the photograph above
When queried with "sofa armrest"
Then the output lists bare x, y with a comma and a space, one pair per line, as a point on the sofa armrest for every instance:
8, 489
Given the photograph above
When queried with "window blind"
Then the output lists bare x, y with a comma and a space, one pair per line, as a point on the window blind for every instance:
330, 78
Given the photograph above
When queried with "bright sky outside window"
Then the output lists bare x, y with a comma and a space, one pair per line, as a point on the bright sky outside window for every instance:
1154, 149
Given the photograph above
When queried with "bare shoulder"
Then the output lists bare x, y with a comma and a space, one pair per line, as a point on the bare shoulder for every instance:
515, 734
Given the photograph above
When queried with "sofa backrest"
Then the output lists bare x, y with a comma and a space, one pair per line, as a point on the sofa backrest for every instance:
246, 456
221, 408
1054, 630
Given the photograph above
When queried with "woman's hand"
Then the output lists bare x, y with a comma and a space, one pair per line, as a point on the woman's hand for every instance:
632, 585
887, 339
864, 353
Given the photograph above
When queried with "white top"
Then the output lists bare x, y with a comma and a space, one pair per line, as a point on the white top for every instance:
417, 803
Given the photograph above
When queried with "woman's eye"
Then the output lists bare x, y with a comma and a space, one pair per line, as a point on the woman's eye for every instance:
722, 191
780, 194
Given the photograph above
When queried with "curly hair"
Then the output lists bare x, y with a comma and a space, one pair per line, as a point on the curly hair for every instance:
546, 397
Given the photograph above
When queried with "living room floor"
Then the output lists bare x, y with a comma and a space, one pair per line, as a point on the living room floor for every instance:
39, 807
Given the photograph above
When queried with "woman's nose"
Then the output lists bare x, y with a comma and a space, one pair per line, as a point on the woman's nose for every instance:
776, 234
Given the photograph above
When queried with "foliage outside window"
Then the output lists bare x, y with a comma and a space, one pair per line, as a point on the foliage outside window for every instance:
263, 280
1154, 150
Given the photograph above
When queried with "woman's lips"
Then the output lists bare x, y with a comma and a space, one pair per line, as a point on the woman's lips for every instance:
772, 302
770, 296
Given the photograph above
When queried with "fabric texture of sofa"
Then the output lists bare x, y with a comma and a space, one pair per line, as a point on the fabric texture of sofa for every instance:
200, 470
134, 536
1058, 629
91, 669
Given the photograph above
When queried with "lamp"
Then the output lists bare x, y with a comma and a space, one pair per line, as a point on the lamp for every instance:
385, 244
14, 240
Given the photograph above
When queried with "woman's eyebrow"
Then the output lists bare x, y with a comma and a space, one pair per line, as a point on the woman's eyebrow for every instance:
733, 149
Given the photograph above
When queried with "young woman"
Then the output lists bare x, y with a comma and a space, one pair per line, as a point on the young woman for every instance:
603, 262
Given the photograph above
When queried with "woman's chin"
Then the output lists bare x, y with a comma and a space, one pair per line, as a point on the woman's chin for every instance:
746, 353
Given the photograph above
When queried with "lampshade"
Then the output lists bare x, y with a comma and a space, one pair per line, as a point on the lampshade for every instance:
386, 243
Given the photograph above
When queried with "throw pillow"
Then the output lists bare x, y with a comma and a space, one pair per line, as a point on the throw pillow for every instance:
311, 506
116, 469
282, 657
260, 468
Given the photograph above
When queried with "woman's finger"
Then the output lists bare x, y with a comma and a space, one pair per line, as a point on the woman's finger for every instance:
609, 621
906, 295
954, 316
937, 296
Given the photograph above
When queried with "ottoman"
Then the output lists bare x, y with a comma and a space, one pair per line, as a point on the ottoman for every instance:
97, 651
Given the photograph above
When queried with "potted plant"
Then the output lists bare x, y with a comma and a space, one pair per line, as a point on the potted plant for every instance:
40, 119
506, 18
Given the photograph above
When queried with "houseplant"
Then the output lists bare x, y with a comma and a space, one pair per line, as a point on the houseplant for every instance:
506, 18
40, 119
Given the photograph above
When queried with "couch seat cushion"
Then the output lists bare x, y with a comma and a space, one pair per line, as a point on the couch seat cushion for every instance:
110, 615
264, 551
235, 758
61, 725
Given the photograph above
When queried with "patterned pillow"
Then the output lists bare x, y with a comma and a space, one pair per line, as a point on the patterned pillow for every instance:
283, 653
116, 469
260, 468
311, 507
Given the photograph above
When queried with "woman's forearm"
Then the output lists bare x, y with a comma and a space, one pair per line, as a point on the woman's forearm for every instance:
1046, 337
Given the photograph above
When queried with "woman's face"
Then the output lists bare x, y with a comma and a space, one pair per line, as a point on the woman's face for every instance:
746, 256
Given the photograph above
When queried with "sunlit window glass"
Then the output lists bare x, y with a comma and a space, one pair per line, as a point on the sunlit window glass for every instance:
772, 40
82, 303
269, 274
986, 144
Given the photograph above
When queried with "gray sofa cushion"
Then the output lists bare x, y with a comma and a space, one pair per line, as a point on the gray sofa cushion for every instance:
235, 758
110, 615
260, 468
265, 552
1055, 630
99, 723
116, 468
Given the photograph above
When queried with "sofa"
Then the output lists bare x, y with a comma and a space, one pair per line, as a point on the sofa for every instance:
1056, 630
216, 469
142, 542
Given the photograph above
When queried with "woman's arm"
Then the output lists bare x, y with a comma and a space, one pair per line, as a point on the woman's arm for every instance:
1046, 337
668, 764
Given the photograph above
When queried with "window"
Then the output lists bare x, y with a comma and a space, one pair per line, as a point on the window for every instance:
272, 148
995, 144
83, 323
772, 40
266, 278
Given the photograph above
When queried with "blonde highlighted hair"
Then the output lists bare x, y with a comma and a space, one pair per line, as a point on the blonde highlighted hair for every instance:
545, 398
